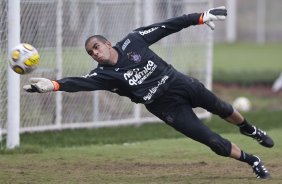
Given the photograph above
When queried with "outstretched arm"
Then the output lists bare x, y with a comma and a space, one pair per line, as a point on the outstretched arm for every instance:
155, 32
69, 84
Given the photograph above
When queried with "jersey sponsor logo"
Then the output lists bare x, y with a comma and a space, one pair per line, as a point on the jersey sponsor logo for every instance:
148, 31
154, 89
137, 76
125, 44
89, 75
132, 56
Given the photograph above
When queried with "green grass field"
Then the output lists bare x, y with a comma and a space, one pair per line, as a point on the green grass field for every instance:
247, 63
158, 161
151, 153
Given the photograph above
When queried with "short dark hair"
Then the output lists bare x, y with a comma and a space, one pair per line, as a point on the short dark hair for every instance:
98, 37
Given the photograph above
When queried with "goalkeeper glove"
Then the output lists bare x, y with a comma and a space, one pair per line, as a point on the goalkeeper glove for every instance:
41, 85
209, 16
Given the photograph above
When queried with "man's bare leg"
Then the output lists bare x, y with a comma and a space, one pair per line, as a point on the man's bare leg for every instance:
249, 130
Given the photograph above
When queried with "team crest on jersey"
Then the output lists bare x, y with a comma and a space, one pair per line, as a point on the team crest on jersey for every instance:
132, 56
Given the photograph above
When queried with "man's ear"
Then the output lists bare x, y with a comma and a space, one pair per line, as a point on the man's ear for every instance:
109, 44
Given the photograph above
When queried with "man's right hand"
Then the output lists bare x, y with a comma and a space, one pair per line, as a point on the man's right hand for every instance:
41, 85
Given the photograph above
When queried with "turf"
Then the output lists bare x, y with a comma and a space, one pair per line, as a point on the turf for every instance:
151, 153
175, 160
247, 63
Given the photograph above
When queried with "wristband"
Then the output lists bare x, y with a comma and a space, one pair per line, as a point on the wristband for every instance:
201, 20
56, 85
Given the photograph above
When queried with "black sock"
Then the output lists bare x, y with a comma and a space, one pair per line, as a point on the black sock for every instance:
250, 159
246, 127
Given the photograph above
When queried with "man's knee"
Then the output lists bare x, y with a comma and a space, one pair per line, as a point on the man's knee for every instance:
223, 109
220, 146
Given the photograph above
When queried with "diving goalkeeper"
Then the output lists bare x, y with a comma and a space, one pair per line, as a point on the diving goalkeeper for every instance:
131, 69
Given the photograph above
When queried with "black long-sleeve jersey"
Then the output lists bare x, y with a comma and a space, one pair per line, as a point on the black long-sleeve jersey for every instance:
139, 73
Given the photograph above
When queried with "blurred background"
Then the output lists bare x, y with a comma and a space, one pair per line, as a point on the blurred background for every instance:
60, 142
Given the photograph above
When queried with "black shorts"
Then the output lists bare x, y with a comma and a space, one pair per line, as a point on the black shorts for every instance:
175, 108
189, 91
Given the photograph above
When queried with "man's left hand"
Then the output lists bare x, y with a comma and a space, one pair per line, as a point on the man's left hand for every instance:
211, 15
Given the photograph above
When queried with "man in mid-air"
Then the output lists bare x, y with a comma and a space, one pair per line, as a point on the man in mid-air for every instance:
133, 70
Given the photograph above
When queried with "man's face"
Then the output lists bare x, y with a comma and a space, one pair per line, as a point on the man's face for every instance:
99, 51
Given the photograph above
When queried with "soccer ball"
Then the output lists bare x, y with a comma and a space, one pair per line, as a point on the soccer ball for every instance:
24, 58
242, 104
